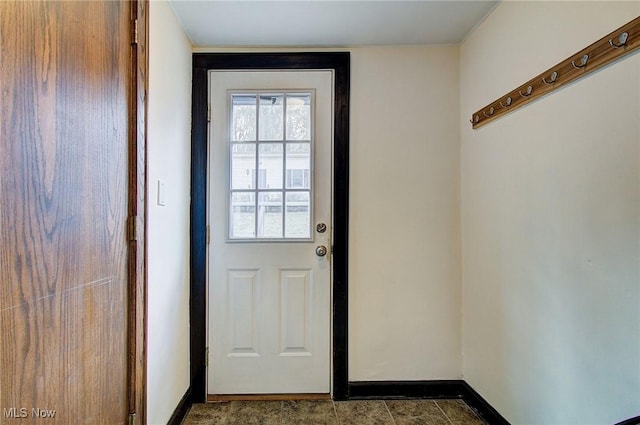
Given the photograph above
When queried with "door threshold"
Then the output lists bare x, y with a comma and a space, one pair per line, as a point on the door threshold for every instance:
267, 397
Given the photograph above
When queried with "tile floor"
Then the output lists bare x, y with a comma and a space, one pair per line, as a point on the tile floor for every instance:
326, 412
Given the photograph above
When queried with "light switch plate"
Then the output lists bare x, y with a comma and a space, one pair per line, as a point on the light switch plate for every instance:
162, 193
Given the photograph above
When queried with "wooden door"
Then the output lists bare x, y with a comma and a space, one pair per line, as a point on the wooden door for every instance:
69, 181
270, 205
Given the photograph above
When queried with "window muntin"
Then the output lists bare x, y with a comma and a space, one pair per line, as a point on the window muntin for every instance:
271, 184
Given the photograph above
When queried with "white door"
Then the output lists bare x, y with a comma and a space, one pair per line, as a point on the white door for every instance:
270, 215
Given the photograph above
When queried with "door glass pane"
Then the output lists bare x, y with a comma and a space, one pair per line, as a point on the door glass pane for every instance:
270, 178
298, 217
298, 166
298, 117
243, 212
270, 161
271, 111
270, 215
243, 166
243, 117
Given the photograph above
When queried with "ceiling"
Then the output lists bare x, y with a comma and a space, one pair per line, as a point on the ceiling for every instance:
315, 23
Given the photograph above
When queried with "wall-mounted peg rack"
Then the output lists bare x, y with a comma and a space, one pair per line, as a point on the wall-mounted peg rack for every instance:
609, 48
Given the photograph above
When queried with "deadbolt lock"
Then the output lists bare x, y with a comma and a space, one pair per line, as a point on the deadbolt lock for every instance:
321, 228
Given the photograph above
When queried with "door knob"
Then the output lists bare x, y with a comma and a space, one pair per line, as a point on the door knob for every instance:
321, 251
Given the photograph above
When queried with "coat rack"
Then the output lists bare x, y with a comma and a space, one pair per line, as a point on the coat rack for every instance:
608, 49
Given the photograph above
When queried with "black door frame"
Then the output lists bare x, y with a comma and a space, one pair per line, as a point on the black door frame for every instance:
202, 63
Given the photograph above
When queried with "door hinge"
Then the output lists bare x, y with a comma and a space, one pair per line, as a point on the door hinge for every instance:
134, 31
206, 357
208, 234
209, 113
132, 228
132, 418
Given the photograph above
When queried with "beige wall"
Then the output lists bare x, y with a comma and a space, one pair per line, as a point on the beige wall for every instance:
404, 287
169, 141
551, 221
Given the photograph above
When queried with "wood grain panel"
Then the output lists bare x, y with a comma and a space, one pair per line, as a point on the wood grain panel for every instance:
66, 367
64, 144
137, 302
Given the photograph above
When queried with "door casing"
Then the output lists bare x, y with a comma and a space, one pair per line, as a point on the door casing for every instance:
202, 63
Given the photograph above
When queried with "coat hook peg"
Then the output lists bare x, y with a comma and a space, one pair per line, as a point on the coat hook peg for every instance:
527, 93
508, 102
554, 77
475, 120
583, 62
490, 112
622, 40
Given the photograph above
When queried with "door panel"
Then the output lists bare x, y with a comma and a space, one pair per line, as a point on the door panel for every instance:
296, 332
269, 300
243, 317
64, 140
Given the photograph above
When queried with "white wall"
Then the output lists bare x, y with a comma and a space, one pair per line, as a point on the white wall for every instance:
404, 240
168, 143
551, 221
404, 283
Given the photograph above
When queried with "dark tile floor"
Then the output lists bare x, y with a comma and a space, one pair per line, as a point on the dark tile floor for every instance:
326, 412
